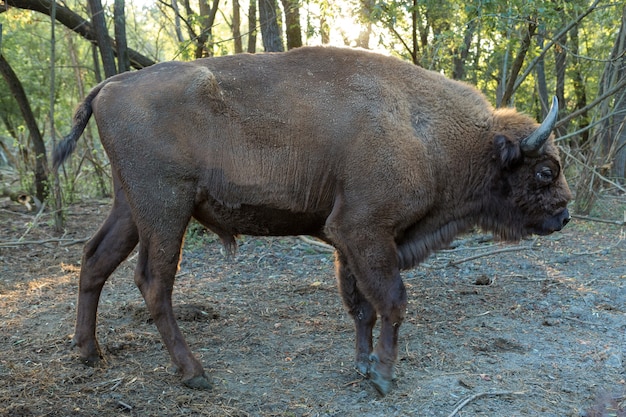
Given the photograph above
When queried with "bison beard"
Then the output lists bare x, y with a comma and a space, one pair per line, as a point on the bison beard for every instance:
384, 160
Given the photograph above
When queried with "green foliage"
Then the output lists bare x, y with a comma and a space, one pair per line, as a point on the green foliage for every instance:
481, 37
197, 236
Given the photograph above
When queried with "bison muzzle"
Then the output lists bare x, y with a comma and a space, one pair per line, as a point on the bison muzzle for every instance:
384, 160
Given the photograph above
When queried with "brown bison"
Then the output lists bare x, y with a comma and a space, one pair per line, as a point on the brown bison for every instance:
382, 159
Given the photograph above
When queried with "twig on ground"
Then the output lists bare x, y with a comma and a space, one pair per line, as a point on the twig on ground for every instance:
34, 222
599, 251
62, 241
596, 219
479, 395
490, 253
324, 246
125, 406
589, 323
16, 213
355, 381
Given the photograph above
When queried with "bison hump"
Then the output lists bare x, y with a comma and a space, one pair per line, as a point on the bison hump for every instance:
203, 84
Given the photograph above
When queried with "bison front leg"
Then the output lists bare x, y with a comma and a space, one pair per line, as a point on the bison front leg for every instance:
361, 311
369, 277
392, 307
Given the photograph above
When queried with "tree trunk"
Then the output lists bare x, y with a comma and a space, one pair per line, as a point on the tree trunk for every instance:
365, 18
270, 28
207, 18
509, 90
123, 63
324, 27
292, 21
542, 86
461, 56
96, 63
252, 27
414, 32
560, 64
58, 205
102, 37
579, 86
237, 27
606, 150
41, 164
179, 32
614, 139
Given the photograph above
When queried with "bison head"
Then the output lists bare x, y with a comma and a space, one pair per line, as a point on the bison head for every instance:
529, 194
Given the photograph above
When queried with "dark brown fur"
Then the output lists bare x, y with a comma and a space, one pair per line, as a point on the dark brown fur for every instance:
384, 160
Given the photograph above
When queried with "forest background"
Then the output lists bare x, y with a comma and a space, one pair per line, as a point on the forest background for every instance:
518, 53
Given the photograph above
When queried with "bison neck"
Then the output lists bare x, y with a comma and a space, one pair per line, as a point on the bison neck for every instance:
459, 206
424, 238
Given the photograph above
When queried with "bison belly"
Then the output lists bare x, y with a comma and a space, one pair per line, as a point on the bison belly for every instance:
257, 220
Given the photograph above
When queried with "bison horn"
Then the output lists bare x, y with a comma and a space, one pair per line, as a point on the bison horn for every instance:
534, 142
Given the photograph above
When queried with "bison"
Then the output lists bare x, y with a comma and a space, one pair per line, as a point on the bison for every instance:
384, 160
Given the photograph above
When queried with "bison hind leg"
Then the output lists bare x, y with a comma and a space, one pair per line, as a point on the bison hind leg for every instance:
113, 242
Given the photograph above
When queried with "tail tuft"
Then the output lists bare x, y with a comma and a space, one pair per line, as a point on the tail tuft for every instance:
63, 150
84, 111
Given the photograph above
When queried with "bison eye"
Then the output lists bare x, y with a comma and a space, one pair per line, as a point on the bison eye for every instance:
544, 175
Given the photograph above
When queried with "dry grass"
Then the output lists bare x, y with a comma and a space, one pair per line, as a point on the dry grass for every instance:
548, 322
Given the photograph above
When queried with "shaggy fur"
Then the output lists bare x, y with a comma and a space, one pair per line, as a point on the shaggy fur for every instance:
386, 161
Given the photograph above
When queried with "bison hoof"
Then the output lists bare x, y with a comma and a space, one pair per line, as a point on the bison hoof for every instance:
362, 367
90, 359
379, 379
198, 382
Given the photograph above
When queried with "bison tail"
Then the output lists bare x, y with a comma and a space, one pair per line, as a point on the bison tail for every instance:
65, 148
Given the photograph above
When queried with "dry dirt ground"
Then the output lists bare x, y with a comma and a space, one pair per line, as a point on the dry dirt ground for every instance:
533, 329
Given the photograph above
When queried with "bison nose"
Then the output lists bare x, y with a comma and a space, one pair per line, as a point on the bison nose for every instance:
565, 217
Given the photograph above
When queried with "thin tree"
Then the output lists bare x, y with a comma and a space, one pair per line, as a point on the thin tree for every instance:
207, 19
292, 23
542, 85
58, 217
578, 82
252, 27
177, 20
119, 19
102, 37
461, 54
605, 153
560, 65
516, 66
41, 164
365, 18
236, 27
270, 28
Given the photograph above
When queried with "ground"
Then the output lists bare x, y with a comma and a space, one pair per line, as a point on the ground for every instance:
530, 329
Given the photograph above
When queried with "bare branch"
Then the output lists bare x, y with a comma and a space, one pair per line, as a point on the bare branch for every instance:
594, 103
61, 241
74, 22
493, 252
596, 219
324, 246
480, 395
550, 44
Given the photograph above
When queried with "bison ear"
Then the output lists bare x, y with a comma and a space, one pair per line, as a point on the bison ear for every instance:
506, 150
